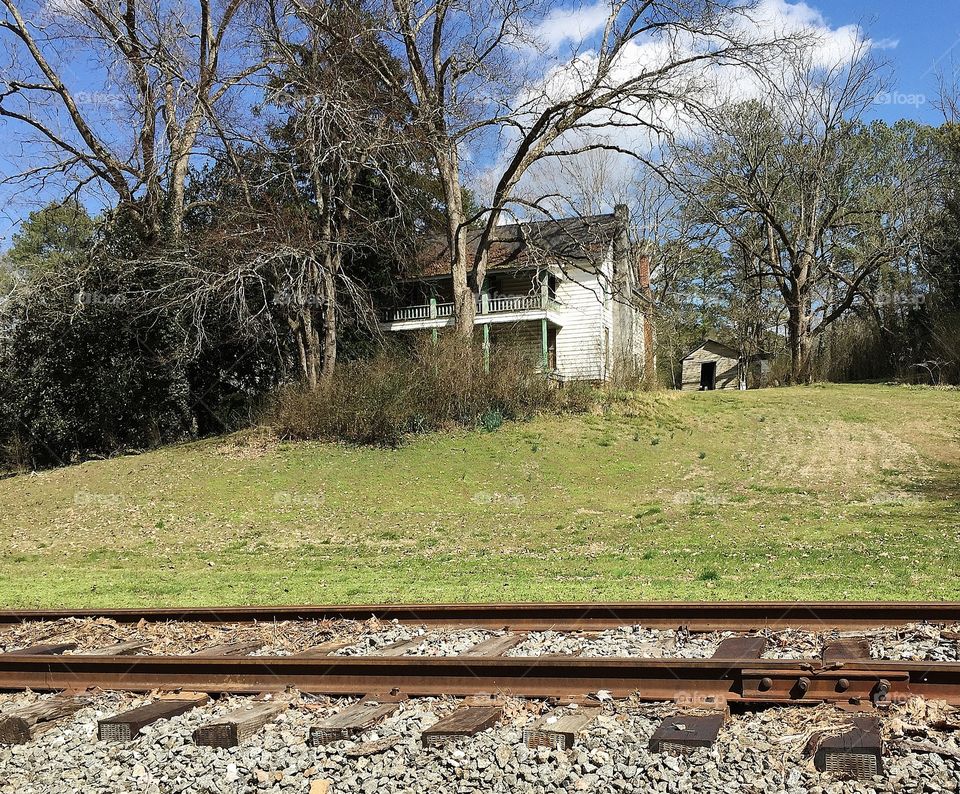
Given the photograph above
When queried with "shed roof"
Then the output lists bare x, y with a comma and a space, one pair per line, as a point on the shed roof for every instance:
710, 340
526, 245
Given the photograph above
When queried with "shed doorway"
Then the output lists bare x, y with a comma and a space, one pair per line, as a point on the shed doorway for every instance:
708, 376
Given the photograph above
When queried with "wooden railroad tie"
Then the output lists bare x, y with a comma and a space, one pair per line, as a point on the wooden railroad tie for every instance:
354, 719
120, 649
44, 649
849, 649
558, 731
230, 649
462, 722
23, 724
495, 646
126, 726
740, 648
684, 733
238, 725
325, 648
857, 753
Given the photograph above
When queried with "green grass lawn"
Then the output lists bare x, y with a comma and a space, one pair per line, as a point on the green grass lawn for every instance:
824, 492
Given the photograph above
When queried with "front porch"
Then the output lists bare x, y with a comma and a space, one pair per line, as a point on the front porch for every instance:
505, 298
519, 309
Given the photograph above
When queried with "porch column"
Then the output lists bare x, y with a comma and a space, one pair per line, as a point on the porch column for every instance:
544, 289
544, 345
433, 316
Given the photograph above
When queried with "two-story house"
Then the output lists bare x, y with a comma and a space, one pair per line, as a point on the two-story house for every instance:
571, 291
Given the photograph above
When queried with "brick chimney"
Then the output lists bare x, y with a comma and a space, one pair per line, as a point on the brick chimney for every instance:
649, 352
643, 272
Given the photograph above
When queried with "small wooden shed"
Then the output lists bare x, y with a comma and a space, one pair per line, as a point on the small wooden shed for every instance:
711, 365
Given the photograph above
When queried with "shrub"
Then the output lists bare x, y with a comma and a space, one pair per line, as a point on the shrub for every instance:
86, 382
491, 420
577, 397
428, 387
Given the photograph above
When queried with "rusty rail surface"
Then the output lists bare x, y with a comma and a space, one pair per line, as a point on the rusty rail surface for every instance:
863, 682
695, 616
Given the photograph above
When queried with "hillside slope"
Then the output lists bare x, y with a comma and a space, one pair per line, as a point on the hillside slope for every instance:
822, 492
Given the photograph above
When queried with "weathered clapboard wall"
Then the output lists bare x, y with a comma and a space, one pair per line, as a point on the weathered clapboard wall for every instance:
727, 366
524, 337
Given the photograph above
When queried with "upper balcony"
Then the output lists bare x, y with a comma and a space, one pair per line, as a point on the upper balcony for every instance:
493, 308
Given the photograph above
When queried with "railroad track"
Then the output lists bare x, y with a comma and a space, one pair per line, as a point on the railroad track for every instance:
695, 616
729, 668
736, 671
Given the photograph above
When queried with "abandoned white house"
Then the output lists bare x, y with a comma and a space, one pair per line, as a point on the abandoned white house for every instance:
570, 291
715, 365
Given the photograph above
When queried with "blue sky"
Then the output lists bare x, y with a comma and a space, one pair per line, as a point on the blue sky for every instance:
918, 37
927, 33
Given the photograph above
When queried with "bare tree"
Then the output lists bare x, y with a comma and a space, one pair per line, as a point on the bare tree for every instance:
163, 78
480, 77
948, 92
834, 200
343, 125
294, 212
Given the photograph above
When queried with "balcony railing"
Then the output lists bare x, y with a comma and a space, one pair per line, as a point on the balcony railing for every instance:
499, 304
513, 303
421, 312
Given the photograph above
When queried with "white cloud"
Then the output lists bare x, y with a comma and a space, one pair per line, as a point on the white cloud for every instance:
829, 46
581, 25
573, 24
62, 8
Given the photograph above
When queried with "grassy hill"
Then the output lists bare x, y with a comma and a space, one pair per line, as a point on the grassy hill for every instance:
823, 492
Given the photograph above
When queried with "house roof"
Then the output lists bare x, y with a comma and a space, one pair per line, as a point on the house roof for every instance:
526, 245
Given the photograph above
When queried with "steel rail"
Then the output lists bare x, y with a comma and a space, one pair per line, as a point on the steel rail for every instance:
695, 616
689, 680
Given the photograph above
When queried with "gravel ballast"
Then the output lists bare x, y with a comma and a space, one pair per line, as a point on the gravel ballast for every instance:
910, 642
755, 752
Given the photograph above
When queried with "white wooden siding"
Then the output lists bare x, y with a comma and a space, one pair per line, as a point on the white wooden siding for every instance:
524, 336
593, 329
582, 314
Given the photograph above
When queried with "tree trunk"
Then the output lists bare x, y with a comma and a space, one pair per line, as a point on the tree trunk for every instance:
175, 211
308, 344
794, 332
178, 175
799, 341
329, 328
296, 328
464, 296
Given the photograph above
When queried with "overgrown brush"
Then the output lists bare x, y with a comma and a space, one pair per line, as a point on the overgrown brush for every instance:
382, 399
